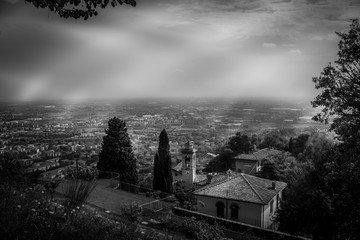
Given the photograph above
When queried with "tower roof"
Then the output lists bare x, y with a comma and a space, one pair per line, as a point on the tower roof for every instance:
188, 148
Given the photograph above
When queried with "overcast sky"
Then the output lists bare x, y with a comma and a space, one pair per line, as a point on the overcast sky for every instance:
175, 48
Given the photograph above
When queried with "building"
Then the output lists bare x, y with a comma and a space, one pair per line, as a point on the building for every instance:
232, 195
251, 163
186, 169
240, 197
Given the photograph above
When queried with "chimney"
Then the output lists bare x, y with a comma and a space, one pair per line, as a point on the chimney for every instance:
273, 185
209, 177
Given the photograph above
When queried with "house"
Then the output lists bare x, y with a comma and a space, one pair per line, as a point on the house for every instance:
240, 197
251, 163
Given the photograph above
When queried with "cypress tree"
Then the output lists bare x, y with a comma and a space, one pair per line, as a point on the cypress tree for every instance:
162, 161
116, 154
157, 179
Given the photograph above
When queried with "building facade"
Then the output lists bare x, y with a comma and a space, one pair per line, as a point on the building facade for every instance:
241, 197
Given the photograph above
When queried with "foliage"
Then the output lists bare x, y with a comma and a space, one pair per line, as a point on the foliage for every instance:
340, 85
83, 173
116, 154
131, 212
220, 163
316, 145
78, 8
241, 143
28, 213
298, 143
157, 181
184, 196
77, 191
281, 167
10, 169
162, 180
192, 228
324, 202
274, 139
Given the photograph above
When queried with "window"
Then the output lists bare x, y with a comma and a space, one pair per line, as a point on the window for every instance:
234, 211
271, 206
220, 209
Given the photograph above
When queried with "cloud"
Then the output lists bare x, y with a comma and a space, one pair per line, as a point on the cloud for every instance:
12, 1
327, 37
269, 45
295, 51
175, 48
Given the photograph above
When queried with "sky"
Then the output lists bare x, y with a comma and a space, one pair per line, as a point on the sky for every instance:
175, 48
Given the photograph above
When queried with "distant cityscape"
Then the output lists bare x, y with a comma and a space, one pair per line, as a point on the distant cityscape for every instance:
48, 137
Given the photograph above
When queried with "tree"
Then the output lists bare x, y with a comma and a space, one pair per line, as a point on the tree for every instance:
281, 167
298, 143
241, 143
323, 202
116, 154
340, 85
78, 8
274, 139
157, 179
220, 163
162, 165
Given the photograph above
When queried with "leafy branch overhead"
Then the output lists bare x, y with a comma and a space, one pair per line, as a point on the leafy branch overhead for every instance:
78, 8
340, 85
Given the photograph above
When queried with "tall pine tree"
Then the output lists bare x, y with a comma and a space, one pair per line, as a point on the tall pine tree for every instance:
162, 165
116, 154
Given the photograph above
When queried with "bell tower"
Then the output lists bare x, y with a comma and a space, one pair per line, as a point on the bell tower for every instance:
188, 163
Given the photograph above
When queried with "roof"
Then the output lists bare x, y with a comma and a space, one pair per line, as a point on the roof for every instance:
243, 187
259, 155
200, 178
178, 167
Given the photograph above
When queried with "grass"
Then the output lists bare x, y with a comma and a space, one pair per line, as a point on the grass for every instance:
110, 199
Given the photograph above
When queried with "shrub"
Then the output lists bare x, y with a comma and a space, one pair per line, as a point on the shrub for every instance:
77, 191
131, 211
83, 173
193, 229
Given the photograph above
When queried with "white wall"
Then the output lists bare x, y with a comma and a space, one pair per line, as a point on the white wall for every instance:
249, 213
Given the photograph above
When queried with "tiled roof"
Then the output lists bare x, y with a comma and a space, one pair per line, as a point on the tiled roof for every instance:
178, 167
243, 187
259, 155
200, 178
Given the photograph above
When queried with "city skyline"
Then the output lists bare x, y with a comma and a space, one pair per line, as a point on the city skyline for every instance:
185, 49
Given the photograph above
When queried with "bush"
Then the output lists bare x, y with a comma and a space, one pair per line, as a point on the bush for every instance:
83, 173
193, 229
30, 214
77, 191
131, 211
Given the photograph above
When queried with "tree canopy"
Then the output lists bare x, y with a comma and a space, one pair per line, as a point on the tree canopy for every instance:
281, 167
78, 8
241, 143
323, 202
340, 86
162, 165
116, 154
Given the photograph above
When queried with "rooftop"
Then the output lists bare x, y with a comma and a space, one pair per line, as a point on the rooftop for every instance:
261, 154
242, 187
